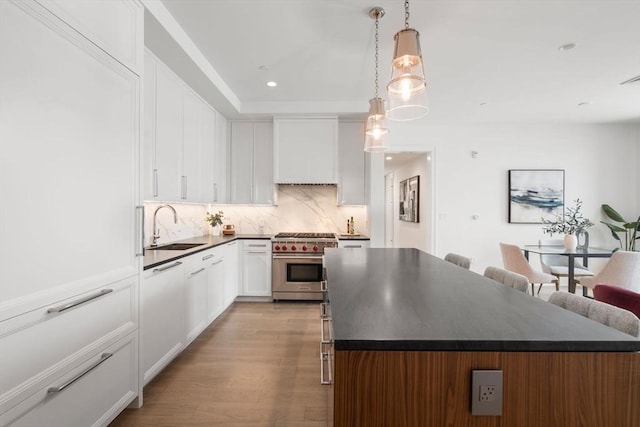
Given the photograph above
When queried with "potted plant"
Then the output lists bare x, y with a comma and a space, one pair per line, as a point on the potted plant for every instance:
630, 230
215, 220
569, 224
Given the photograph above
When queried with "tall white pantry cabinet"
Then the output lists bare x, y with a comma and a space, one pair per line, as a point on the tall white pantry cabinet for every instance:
70, 230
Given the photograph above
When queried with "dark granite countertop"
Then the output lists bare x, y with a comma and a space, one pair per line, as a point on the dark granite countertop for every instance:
154, 258
405, 299
352, 237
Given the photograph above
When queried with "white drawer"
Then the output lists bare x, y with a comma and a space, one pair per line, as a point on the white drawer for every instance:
96, 392
36, 345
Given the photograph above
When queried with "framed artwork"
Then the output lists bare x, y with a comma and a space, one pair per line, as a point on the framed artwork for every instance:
535, 194
410, 199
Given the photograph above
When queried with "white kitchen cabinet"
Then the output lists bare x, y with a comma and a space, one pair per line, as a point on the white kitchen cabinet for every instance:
351, 164
221, 161
231, 272
195, 296
354, 244
168, 135
215, 265
208, 161
305, 150
162, 308
69, 180
192, 147
251, 162
256, 268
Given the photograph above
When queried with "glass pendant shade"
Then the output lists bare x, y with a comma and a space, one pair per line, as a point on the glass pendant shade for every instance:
377, 120
407, 90
374, 144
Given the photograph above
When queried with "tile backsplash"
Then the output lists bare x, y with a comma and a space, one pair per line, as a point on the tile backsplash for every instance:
308, 208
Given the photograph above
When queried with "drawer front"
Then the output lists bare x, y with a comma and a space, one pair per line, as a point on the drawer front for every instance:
35, 345
91, 394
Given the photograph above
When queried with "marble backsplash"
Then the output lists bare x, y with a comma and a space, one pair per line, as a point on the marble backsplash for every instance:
308, 208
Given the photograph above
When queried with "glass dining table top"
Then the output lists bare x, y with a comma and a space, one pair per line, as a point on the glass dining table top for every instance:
560, 250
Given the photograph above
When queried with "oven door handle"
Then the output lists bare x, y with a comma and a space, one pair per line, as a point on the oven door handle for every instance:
300, 257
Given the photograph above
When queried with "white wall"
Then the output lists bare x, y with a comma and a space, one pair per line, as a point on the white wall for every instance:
600, 163
411, 234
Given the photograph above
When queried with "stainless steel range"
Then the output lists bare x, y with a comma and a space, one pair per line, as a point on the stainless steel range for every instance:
297, 270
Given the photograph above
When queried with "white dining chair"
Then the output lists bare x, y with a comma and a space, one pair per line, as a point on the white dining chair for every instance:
508, 278
558, 265
459, 260
623, 270
514, 260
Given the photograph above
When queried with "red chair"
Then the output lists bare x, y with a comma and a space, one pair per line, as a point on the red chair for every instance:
620, 297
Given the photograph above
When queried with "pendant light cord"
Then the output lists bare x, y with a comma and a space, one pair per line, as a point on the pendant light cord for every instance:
377, 56
406, 14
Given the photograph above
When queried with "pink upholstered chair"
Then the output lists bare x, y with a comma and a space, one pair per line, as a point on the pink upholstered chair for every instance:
620, 297
622, 270
515, 261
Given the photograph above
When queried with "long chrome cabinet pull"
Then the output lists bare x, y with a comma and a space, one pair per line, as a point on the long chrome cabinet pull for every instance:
217, 262
198, 271
255, 252
253, 245
79, 301
175, 264
215, 192
58, 389
140, 252
204, 258
155, 183
352, 246
183, 187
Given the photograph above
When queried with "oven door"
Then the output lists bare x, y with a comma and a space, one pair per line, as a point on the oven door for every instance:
293, 273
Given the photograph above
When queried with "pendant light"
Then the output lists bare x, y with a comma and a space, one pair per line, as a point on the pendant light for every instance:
376, 126
407, 89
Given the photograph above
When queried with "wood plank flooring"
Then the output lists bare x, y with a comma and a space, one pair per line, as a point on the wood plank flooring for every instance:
256, 365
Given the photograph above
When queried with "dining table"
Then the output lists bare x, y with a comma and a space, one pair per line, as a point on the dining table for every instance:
581, 252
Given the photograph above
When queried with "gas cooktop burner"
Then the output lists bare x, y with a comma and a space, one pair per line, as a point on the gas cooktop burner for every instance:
305, 236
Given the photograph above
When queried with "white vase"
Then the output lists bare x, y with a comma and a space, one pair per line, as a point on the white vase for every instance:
570, 242
215, 231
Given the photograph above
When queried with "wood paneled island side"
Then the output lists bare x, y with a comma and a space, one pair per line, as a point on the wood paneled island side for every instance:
408, 328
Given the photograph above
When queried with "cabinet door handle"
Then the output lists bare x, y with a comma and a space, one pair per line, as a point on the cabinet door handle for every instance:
155, 183
204, 258
217, 262
79, 301
198, 271
183, 188
253, 245
140, 231
175, 264
58, 389
256, 252
232, 243
215, 192
352, 246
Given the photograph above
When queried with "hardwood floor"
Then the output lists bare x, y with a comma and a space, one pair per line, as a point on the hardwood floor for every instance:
257, 365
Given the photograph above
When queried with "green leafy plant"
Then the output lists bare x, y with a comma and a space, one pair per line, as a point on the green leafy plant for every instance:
630, 230
570, 223
214, 219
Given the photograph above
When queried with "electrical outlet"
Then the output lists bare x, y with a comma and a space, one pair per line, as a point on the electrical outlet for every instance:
486, 392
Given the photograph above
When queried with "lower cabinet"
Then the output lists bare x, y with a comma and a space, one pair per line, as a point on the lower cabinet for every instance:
92, 393
256, 268
161, 317
215, 283
195, 296
354, 244
231, 256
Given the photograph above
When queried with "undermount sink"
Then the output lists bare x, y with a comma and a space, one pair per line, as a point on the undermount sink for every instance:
176, 246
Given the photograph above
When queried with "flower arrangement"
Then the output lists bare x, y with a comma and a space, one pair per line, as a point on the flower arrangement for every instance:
571, 222
214, 219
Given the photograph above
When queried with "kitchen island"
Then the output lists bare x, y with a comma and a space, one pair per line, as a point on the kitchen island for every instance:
408, 328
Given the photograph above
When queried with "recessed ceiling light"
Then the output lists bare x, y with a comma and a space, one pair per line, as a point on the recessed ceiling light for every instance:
582, 104
388, 157
567, 46
272, 84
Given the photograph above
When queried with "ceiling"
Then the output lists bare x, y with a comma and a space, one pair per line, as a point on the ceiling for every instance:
486, 61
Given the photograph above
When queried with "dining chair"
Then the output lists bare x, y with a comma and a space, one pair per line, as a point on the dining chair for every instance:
623, 270
558, 265
607, 314
515, 261
459, 260
508, 278
620, 297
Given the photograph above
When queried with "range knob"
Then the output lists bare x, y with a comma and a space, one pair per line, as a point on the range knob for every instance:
304, 247
315, 248
284, 247
277, 247
293, 247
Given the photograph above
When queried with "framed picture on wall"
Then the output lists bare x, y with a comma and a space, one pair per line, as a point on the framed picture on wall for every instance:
535, 194
410, 199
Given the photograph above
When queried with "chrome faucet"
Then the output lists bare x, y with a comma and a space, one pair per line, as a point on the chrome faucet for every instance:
156, 231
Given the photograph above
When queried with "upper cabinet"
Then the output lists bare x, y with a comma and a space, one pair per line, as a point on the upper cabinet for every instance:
184, 141
251, 149
305, 150
351, 164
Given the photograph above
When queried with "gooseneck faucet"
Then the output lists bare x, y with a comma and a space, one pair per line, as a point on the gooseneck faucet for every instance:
156, 231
